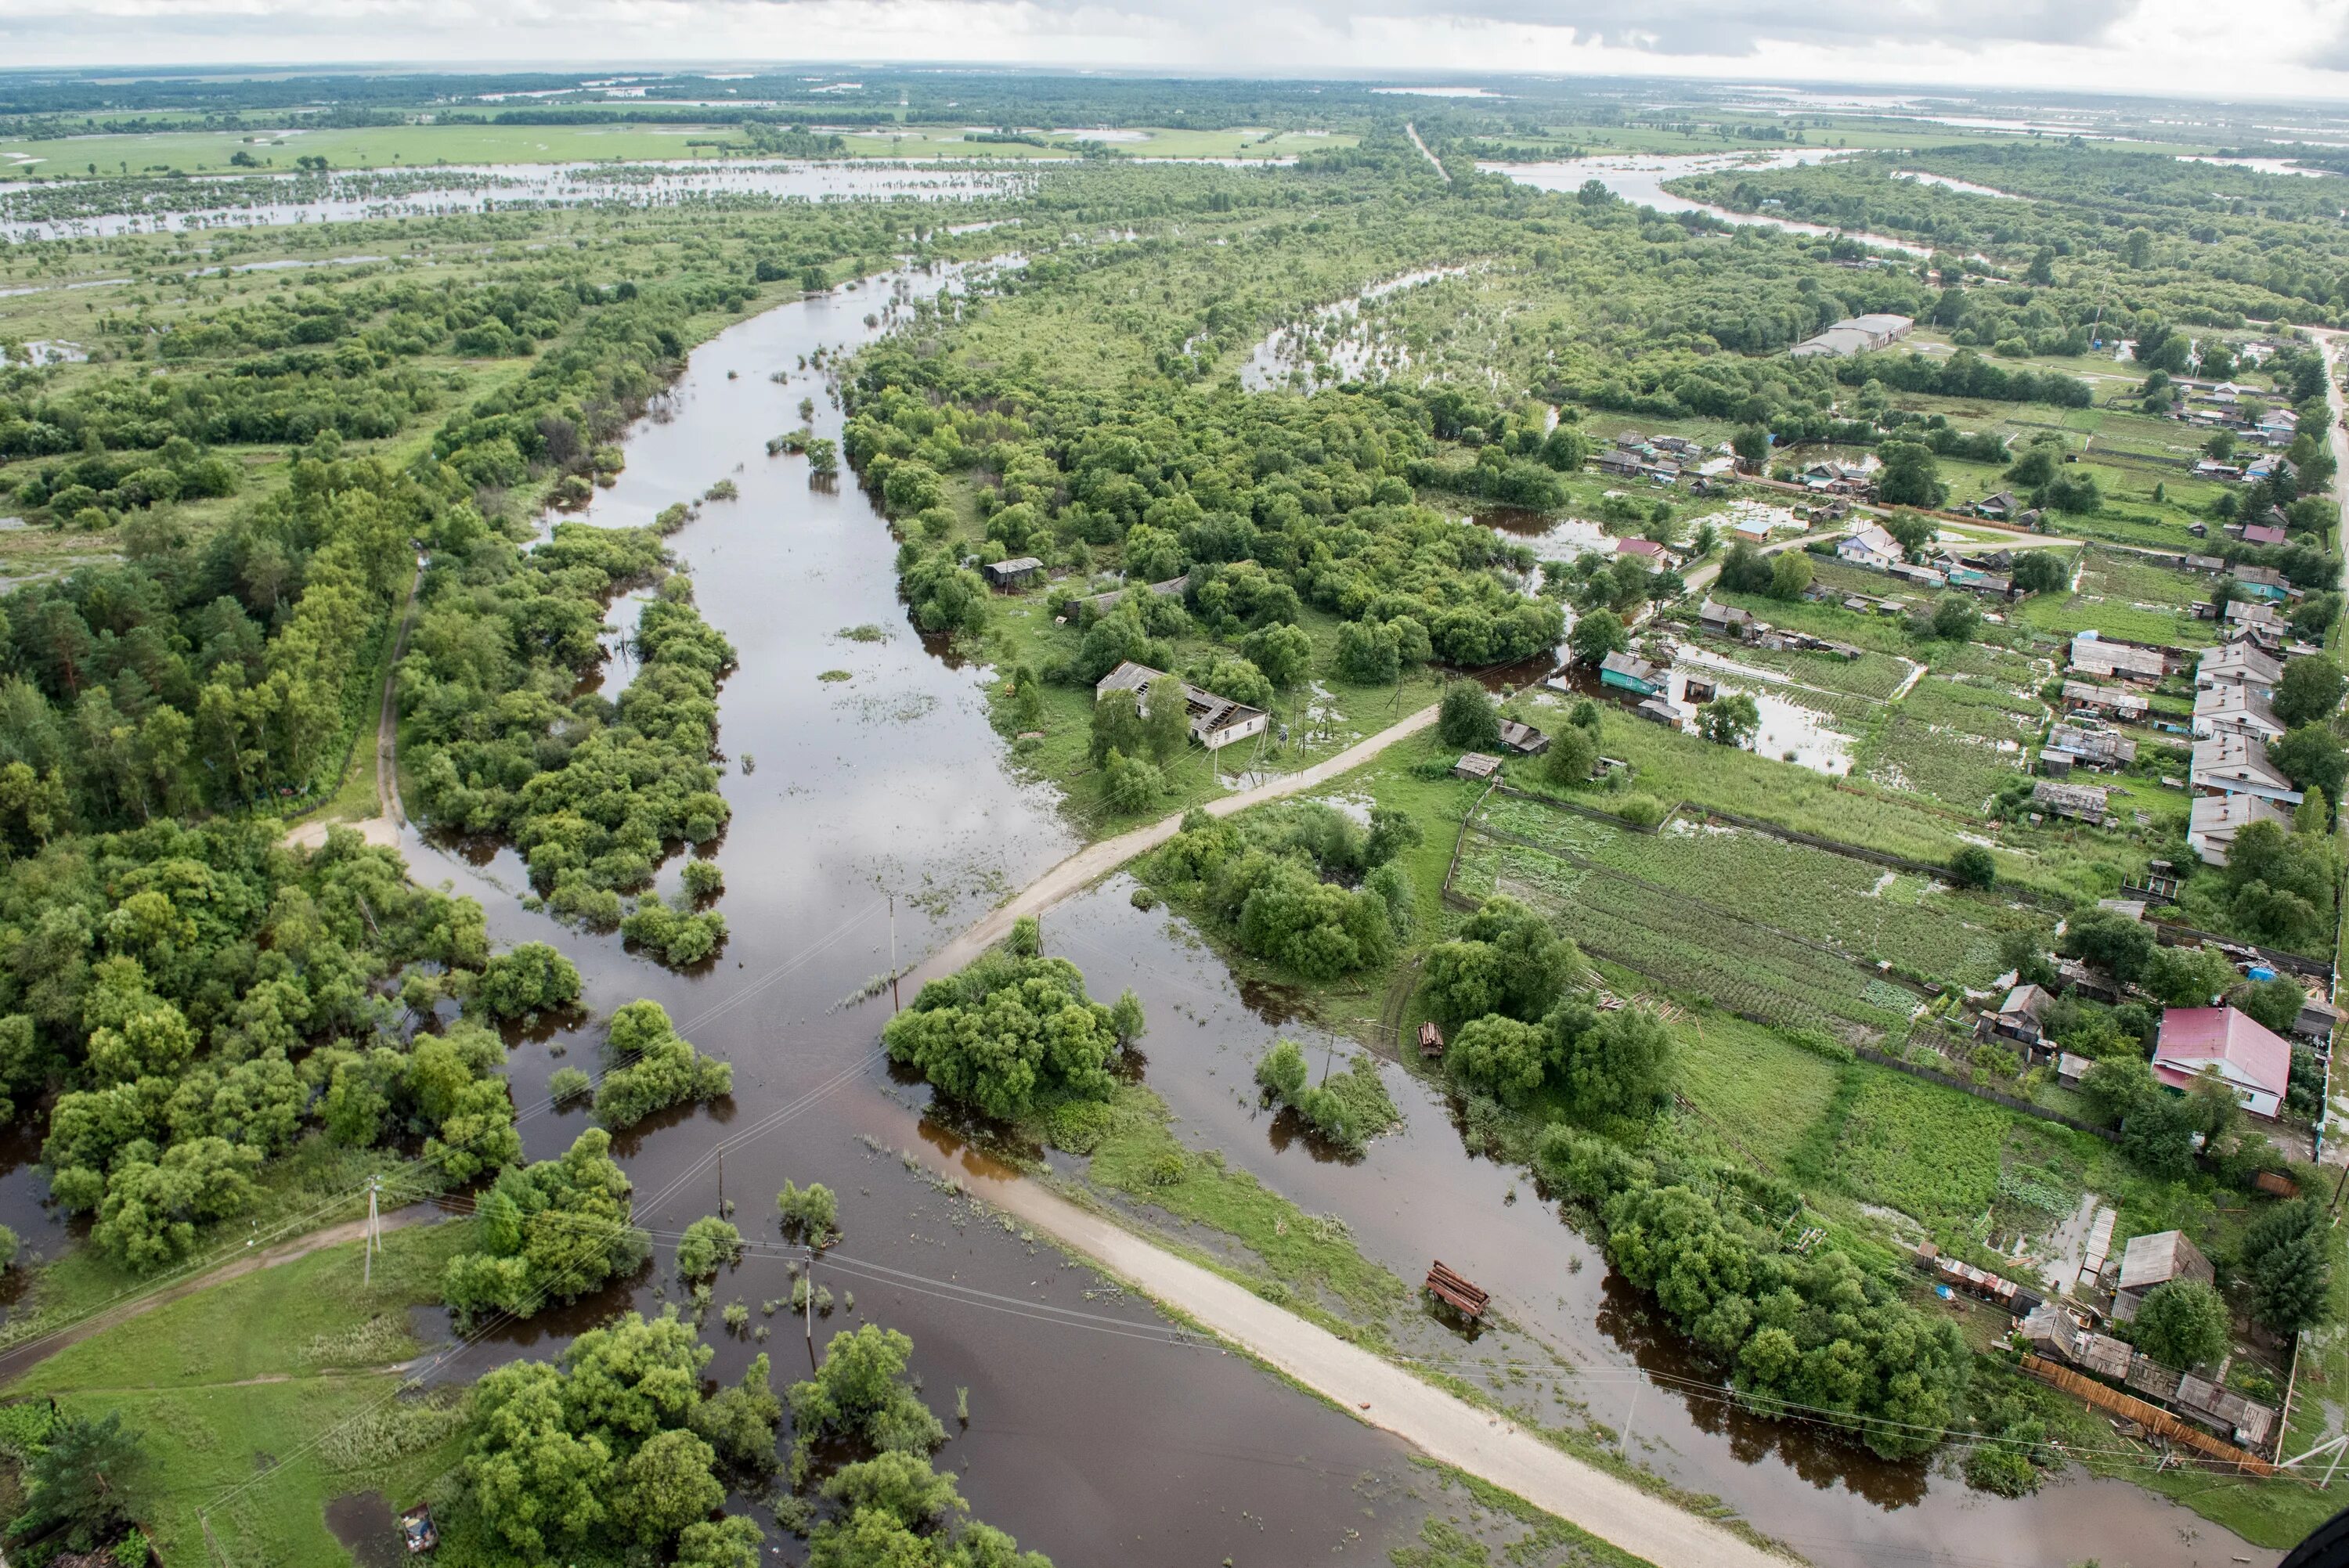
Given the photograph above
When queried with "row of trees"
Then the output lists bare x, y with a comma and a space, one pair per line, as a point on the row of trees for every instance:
1300, 884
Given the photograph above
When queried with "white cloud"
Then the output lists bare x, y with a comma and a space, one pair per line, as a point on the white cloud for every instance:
2298, 48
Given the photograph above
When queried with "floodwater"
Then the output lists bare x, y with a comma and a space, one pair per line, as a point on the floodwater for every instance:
1639, 178
890, 782
1103, 1437
1350, 345
1587, 1346
364, 1523
1789, 730
1947, 183
441, 189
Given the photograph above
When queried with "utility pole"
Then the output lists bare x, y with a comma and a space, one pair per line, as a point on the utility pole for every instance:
810, 1296
722, 1181
374, 1231
893, 953
206, 1521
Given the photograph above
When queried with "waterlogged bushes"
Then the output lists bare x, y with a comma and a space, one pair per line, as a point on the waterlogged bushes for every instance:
533, 977
1013, 1032
1348, 1109
593, 791
611, 1452
208, 988
894, 1507
1801, 1335
1300, 884
650, 1066
1507, 959
549, 1232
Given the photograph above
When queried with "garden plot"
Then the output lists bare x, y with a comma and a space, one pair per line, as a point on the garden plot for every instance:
2124, 594
1956, 741
1689, 946
1865, 913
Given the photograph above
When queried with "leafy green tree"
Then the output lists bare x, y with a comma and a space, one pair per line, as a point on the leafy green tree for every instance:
1368, 655
733, 1542
1130, 784
1790, 575
1166, 721
1117, 727
2188, 976
652, 1067
2310, 691
1956, 619
1284, 652
1282, 1071
811, 1213
861, 1392
1752, 445
739, 1421
1614, 1064
1595, 634
1572, 756
709, 1245
532, 978
1911, 475
1238, 679
1974, 866
1006, 1031
154, 1205
2181, 1323
2041, 572
665, 1485
1729, 720
1523, 966
551, 1231
1500, 1056
1467, 719
2112, 942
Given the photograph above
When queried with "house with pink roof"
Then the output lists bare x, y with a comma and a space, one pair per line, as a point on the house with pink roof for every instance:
2255, 1062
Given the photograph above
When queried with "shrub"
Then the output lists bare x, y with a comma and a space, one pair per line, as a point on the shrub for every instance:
653, 1067
708, 1243
811, 1213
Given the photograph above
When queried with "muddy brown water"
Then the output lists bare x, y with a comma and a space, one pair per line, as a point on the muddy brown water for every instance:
1100, 1442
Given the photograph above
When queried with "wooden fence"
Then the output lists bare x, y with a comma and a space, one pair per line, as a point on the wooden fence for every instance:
2153, 1418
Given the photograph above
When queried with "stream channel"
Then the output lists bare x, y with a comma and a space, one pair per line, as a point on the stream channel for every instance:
1102, 1441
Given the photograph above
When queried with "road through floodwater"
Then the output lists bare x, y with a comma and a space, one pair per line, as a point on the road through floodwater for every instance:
1088, 1444
1097, 1434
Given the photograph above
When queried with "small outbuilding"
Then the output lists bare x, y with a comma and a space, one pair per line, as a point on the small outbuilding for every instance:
1477, 765
1522, 738
1003, 576
2155, 1260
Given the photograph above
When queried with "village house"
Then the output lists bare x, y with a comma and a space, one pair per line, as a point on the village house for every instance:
1215, 721
2214, 820
1657, 557
1870, 546
2221, 708
2155, 1260
2086, 747
1522, 738
2106, 658
2249, 618
2262, 581
1006, 575
2235, 764
1630, 672
1620, 464
2105, 702
2082, 802
2238, 663
2255, 1061
1997, 506
1726, 620
1476, 764
2263, 533
2211, 469
1975, 580
2017, 1017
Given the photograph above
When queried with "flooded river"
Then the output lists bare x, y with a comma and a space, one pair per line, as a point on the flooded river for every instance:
1100, 1439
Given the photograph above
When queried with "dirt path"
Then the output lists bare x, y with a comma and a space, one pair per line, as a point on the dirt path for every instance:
383, 828
1381, 1394
1412, 131
1092, 862
16, 1362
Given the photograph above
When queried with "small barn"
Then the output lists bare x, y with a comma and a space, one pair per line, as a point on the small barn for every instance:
1004, 576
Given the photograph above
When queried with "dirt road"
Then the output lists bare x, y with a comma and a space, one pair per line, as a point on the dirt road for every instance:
16, 1362
1392, 1397
1092, 862
383, 828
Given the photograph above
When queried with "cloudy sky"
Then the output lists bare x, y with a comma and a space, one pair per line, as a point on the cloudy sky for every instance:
2251, 48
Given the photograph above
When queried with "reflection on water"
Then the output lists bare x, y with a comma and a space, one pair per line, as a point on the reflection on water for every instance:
1336, 343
